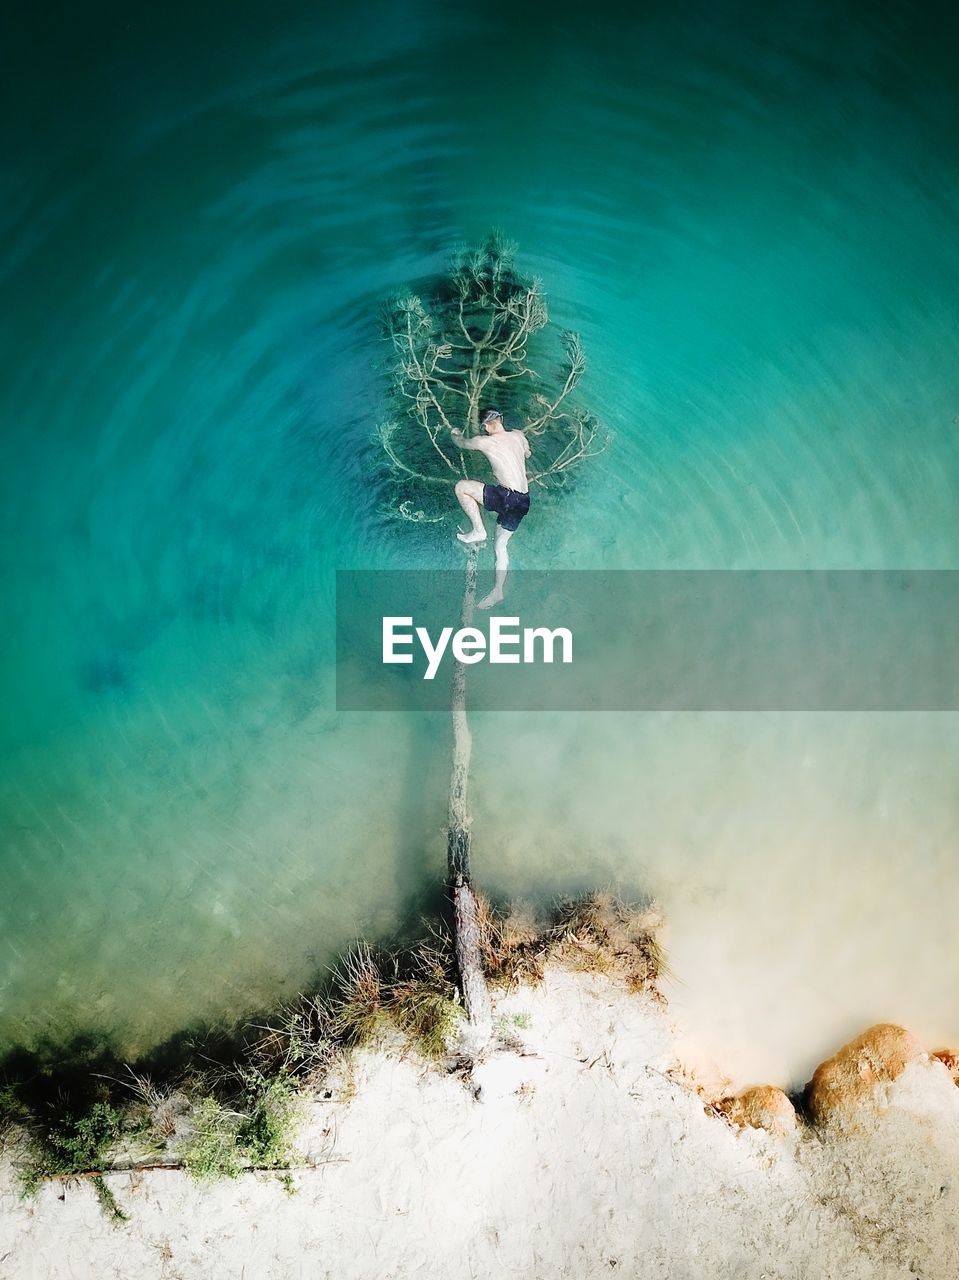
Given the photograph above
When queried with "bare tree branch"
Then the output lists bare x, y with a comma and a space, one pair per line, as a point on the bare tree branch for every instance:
472, 338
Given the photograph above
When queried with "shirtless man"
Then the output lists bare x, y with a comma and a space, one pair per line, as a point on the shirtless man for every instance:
507, 452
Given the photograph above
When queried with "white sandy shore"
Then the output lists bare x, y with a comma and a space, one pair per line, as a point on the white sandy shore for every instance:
579, 1158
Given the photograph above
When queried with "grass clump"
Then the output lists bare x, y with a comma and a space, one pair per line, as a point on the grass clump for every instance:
595, 933
411, 992
360, 997
429, 1018
301, 1043
599, 933
161, 1103
423, 1000
512, 943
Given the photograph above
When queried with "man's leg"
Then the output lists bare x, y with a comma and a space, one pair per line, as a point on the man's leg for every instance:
470, 495
500, 544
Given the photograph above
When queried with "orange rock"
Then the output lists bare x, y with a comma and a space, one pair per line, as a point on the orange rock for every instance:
762, 1107
849, 1078
950, 1059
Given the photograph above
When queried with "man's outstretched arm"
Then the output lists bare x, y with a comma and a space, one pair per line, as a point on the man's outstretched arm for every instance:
464, 442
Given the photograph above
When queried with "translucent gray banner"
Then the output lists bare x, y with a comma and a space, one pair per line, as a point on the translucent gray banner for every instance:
800, 640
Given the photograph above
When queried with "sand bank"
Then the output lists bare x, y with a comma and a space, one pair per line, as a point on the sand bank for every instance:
584, 1151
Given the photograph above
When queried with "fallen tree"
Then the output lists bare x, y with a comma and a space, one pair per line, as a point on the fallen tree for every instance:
478, 335
466, 923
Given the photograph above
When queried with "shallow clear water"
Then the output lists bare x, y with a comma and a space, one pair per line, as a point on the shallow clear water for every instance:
748, 216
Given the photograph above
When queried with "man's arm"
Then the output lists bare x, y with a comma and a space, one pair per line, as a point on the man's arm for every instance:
473, 442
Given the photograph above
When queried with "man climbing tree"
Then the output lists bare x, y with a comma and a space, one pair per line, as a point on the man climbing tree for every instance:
507, 452
468, 341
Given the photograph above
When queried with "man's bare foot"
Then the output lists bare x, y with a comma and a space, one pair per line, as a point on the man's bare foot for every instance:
474, 535
487, 602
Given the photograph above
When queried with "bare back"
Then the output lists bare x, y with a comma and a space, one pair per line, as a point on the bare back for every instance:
507, 452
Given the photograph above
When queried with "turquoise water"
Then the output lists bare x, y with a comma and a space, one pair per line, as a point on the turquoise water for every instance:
750, 218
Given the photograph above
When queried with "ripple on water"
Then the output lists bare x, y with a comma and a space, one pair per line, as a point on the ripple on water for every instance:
751, 229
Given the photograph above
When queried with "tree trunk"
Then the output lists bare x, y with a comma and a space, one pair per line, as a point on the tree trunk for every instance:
469, 957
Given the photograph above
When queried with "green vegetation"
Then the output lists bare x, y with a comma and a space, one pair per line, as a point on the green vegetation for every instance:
213, 1150
107, 1201
512, 1022
225, 1141
507, 1027
72, 1144
266, 1134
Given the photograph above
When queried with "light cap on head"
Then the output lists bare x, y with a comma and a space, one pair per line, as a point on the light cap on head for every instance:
489, 415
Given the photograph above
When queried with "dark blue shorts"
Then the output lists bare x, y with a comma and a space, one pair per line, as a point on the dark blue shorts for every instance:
510, 504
